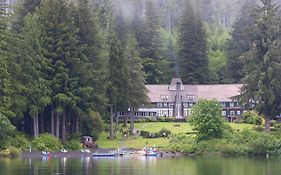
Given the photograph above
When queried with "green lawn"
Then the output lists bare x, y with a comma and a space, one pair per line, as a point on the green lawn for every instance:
139, 142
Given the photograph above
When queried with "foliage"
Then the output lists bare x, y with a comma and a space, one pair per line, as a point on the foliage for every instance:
6, 130
252, 117
262, 67
192, 43
92, 125
217, 38
46, 142
10, 152
162, 133
246, 142
239, 43
73, 144
207, 119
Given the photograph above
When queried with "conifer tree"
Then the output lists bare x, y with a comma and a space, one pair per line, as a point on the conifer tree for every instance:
91, 39
24, 7
117, 79
192, 45
151, 49
135, 88
263, 81
5, 79
65, 54
240, 42
35, 67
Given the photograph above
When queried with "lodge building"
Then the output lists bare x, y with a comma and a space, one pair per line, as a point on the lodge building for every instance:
176, 99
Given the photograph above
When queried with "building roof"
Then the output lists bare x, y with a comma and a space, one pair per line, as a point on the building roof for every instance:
192, 93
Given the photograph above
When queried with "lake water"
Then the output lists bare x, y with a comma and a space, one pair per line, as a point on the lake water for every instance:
142, 166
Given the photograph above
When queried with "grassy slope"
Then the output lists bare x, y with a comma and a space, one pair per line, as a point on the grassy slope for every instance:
139, 142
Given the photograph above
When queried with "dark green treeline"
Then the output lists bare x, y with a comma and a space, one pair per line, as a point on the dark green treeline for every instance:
64, 62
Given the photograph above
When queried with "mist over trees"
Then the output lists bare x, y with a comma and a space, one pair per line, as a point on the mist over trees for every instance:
66, 62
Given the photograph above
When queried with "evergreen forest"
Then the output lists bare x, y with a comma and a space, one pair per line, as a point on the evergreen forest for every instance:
68, 66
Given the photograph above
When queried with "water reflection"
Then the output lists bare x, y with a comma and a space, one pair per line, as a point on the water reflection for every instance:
141, 166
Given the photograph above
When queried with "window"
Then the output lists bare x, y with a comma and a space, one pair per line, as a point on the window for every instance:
190, 97
164, 97
172, 88
224, 113
232, 113
185, 105
159, 105
222, 104
190, 105
238, 112
231, 104
165, 104
171, 104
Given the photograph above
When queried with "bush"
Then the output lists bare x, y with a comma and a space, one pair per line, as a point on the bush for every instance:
165, 132
252, 117
207, 119
92, 125
7, 130
20, 141
73, 144
46, 142
159, 134
10, 152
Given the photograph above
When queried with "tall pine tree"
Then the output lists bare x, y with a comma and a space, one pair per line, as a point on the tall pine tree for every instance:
263, 64
192, 45
240, 42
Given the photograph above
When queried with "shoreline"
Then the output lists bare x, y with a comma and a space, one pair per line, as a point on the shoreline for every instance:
79, 154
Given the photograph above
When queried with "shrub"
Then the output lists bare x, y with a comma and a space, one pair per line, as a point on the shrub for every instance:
207, 119
73, 144
46, 142
252, 117
92, 125
10, 152
20, 141
165, 132
7, 130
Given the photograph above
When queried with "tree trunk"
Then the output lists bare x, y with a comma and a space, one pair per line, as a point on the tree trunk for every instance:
52, 120
126, 119
35, 125
57, 125
42, 126
63, 128
267, 124
117, 123
111, 123
77, 125
132, 124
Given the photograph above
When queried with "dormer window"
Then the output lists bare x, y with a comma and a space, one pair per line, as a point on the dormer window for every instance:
190, 97
172, 88
164, 97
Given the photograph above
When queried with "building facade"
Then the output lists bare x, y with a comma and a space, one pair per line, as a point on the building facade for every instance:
176, 99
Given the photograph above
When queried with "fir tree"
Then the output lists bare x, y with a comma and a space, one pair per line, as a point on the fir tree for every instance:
5, 78
90, 37
240, 42
151, 49
263, 81
117, 78
65, 54
192, 44
23, 9
135, 88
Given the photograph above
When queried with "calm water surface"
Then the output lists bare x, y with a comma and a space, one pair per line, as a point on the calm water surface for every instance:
142, 166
